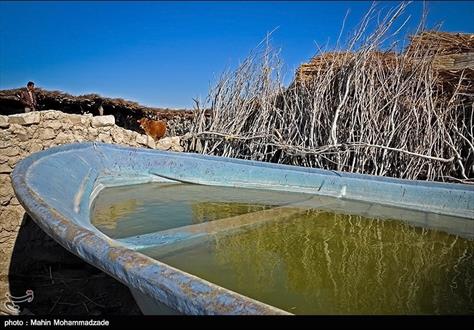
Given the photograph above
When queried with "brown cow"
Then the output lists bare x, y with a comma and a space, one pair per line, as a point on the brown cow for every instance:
154, 128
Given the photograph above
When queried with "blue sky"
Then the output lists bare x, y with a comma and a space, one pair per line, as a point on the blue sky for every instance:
166, 53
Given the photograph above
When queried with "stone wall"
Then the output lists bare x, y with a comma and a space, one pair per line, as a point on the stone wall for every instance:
23, 134
126, 113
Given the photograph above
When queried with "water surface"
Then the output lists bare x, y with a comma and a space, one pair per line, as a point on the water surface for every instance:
304, 254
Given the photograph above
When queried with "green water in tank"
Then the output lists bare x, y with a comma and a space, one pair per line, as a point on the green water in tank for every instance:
140, 209
332, 257
326, 263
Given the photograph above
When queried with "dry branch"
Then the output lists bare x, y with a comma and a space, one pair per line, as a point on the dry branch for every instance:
359, 109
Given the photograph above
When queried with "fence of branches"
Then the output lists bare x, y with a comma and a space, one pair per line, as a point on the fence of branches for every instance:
358, 109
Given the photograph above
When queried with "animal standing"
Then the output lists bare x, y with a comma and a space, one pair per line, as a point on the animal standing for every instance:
154, 128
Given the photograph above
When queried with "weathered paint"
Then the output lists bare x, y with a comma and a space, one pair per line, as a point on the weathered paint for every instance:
57, 187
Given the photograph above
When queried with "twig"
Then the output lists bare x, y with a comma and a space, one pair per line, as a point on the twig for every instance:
55, 303
90, 300
51, 275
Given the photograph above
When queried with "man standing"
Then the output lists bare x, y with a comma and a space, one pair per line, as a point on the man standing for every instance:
28, 97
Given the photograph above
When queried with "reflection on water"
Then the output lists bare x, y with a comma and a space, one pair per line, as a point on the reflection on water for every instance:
136, 210
306, 255
106, 217
326, 263
209, 211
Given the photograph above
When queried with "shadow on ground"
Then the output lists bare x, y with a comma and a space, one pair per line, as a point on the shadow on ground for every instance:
61, 282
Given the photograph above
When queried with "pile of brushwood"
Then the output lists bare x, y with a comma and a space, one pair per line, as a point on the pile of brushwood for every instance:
364, 108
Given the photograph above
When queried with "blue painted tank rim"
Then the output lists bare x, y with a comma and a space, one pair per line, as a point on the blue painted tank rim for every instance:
139, 271
128, 266
83, 145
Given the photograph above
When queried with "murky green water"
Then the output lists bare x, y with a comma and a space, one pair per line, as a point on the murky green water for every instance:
308, 260
135, 210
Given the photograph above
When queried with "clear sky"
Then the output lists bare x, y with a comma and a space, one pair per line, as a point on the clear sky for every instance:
166, 53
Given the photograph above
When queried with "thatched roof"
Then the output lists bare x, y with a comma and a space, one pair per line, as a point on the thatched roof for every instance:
442, 43
451, 56
336, 60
